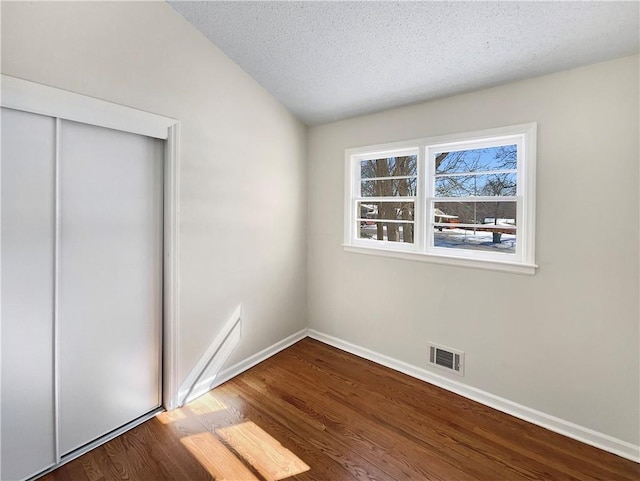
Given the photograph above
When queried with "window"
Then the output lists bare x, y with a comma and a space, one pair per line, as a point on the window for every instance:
465, 199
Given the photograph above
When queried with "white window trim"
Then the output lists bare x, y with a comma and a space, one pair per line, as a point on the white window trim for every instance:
522, 262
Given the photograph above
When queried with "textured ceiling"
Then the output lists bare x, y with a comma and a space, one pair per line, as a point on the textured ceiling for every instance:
332, 60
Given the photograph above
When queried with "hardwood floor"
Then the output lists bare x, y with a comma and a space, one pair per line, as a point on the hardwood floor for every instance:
313, 412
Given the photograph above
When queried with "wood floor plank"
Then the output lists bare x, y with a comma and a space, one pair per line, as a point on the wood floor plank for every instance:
510, 433
327, 451
448, 441
448, 437
375, 446
360, 426
265, 453
217, 459
91, 470
347, 419
168, 449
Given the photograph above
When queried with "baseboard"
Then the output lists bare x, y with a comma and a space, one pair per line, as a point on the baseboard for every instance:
580, 433
240, 367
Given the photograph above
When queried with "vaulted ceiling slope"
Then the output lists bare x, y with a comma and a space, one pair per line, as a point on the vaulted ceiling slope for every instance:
332, 60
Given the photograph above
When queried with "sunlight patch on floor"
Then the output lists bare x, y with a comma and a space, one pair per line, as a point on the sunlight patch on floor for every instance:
267, 456
206, 404
167, 417
216, 458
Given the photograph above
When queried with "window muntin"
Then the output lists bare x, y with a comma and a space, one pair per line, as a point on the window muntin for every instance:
493, 184
394, 186
465, 196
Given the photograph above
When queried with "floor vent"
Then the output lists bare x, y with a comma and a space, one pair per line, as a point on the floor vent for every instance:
446, 358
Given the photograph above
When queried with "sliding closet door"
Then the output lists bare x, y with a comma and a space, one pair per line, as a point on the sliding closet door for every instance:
110, 281
27, 284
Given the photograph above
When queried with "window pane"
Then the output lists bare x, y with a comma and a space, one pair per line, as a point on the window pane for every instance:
391, 187
478, 240
386, 231
477, 213
389, 167
476, 160
483, 226
479, 185
386, 210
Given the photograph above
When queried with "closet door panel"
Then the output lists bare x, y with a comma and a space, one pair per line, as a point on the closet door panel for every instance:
110, 310
27, 284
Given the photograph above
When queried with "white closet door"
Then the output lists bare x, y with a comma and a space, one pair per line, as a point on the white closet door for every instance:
110, 281
28, 229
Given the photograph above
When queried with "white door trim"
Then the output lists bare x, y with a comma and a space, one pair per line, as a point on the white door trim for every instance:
41, 99
171, 298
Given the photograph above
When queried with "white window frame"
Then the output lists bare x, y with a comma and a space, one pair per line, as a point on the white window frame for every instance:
521, 262
355, 198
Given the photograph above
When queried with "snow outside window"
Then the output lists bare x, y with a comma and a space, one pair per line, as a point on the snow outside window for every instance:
464, 199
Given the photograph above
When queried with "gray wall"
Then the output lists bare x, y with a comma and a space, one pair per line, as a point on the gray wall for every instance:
564, 341
243, 171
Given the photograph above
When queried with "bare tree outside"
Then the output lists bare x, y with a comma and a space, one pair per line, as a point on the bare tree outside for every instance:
398, 180
488, 172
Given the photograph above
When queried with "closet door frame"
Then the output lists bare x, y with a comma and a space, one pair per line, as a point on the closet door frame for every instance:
60, 104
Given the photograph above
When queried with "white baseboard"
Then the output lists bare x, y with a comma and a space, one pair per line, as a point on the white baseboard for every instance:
207, 384
547, 421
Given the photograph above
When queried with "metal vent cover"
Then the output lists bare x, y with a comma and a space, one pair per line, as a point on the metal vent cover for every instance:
446, 358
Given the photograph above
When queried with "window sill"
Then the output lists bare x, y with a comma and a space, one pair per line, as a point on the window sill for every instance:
491, 265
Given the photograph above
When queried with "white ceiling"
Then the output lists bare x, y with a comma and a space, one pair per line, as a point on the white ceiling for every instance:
332, 60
